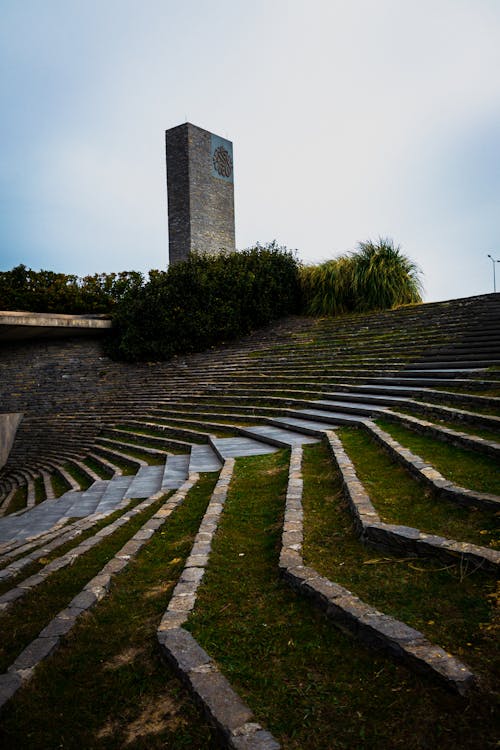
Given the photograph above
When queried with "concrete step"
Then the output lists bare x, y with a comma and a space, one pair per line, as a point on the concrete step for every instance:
203, 458
176, 471
278, 436
147, 482
349, 407
240, 446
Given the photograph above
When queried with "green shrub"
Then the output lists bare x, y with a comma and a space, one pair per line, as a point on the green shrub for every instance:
203, 301
376, 277
47, 291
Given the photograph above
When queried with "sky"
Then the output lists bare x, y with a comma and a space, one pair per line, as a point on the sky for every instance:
350, 120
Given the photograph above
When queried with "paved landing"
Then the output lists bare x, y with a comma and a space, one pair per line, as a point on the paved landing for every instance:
284, 436
350, 405
242, 446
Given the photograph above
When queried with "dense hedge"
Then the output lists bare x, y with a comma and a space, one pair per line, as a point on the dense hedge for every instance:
208, 299
378, 276
46, 291
203, 301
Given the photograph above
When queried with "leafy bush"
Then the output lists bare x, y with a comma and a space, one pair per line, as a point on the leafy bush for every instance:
376, 277
205, 300
47, 291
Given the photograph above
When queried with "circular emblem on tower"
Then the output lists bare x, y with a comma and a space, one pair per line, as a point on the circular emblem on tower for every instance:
223, 164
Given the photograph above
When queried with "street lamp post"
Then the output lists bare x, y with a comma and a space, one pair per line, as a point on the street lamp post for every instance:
494, 260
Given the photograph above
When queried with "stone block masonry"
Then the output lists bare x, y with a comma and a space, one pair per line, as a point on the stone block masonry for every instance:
200, 192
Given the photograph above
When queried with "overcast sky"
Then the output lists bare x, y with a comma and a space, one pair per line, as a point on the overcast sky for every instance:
350, 119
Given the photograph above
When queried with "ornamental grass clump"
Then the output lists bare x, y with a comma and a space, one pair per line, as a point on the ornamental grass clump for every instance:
378, 276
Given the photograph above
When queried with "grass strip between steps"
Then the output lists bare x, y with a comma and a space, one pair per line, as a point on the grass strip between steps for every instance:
463, 466
27, 617
457, 426
18, 501
308, 683
399, 498
79, 475
452, 605
106, 688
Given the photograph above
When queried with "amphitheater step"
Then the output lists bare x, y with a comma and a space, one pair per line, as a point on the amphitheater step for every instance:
176, 471
350, 407
240, 446
203, 458
146, 482
280, 435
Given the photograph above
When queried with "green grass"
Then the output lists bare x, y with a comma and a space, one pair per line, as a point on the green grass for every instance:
465, 467
150, 458
458, 425
451, 604
39, 490
19, 500
28, 616
97, 468
489, 411
307, 682
59, 484
106, 687
399, 498
83, 480
462, 427
127, 467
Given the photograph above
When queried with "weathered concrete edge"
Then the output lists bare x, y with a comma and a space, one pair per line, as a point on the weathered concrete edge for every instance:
351, 613
232, 718
8, 427
96, 589
17, 318
404, 540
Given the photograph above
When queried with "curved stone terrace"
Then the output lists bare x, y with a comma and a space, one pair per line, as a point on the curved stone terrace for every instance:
401, 411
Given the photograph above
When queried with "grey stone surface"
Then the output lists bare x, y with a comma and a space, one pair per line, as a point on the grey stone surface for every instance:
182, 650
34, 653
203, 458
224, 706
200, 198
285, 436
176, 471
8, 427
9, 684
241, 446
146, 482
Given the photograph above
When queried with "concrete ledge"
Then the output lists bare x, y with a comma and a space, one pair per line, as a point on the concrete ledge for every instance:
16, 326
8, 428
350, 613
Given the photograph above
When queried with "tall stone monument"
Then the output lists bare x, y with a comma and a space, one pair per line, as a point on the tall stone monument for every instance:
200, 192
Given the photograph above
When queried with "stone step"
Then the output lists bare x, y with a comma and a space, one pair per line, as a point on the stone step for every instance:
114, 493
147, 482
240, 446
203, 458
349, 407
176, 471
278, 436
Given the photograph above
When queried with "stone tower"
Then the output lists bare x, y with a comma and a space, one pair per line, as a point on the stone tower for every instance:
200, 192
